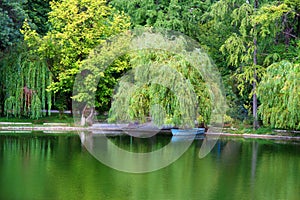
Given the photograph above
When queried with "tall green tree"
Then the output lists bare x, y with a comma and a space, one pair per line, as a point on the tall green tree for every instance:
278, 90
76, 27
253, 40
165, 81
242, 48
25, 79
165, 87
279, 93
13, 52
214, 29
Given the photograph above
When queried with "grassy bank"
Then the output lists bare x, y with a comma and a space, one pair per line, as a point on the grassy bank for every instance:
261, 131
54, 118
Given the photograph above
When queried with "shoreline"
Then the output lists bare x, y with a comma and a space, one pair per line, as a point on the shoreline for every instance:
257, 136
58, 128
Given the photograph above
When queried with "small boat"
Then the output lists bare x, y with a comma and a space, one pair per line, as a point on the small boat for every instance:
194, 131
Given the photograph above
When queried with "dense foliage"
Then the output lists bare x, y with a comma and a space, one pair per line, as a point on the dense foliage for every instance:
11, 19
26, 79
252, 42
280, 107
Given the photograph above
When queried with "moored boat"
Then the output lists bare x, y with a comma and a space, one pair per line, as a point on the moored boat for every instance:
193, 131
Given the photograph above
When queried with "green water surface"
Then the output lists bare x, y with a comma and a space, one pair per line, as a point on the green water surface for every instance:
39, 166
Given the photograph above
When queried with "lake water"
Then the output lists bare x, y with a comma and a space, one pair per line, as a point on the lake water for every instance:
40, 166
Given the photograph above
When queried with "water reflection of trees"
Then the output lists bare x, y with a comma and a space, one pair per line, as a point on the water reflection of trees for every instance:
141, 145
59, 167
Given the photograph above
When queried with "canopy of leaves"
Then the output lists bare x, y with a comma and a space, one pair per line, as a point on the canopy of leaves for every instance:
13, 14
25, 79
177, 15
37, 11
76, 27
164, 87
166, 82
279, 93
250, 39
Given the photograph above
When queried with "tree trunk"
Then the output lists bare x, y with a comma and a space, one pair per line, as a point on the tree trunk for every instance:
254, 98
298, 22
254, 103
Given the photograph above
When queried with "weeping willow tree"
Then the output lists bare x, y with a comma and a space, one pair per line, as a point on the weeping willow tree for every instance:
170, 80
24, 82
163, 87
279, 93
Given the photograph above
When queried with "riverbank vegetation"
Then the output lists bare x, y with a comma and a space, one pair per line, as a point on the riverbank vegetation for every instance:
53, 118
255, 45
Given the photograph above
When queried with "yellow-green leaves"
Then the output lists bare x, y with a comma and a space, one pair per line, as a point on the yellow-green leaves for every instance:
234, 46
77, 26
269, 17
247, 76
279, 93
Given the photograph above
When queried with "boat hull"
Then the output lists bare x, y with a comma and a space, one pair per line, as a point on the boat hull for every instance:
194, 131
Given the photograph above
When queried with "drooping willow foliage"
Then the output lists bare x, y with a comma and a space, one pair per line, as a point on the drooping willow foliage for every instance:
170, 80
162, 86
24, 81
279, 93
